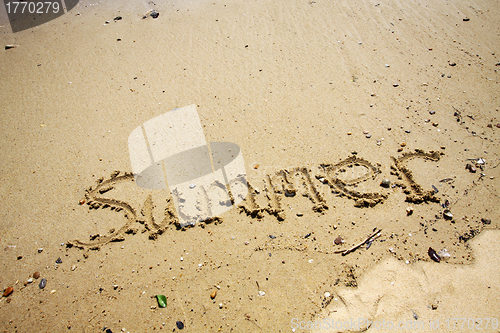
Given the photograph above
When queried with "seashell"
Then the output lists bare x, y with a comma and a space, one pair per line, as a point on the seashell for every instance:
385, 182
30, 280
213, 294
434, 256
444, 254
36, 275
290, 191
8, 291
42, 284
447, 214
162, 301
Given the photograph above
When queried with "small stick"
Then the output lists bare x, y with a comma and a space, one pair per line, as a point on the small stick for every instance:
355, 247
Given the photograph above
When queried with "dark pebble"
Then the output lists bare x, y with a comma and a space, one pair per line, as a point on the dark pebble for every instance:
432, 112
42, 284
272, 236
466, 19
486, 221
453, 64
408, 131
180, 324
59, 260
434, 256
118, 18
154, 14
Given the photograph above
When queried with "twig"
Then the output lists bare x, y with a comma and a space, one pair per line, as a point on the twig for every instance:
355, 247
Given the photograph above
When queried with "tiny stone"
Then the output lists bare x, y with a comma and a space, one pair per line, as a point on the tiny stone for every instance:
59, 260
40, 250
36, 275
368, 136
486, 221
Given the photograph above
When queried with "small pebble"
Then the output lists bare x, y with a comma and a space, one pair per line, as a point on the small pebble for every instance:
213, 294
30, 280
36, 275
42, 284
59, 260
8, 291
368, 136
409, 211
179, 324
40, 250
192, 186
338, 240
327, 294
486, 221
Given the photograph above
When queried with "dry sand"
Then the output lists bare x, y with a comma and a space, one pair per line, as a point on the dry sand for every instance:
287, 81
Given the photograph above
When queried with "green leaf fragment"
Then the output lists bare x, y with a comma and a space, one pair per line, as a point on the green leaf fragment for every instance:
162, 301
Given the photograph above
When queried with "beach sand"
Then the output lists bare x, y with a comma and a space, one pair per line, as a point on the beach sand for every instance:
333, 97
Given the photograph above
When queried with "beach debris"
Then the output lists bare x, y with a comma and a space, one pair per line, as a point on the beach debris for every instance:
154, 14
435, 189
480, 161
338, 240
368, 136
213, 294
30, 280
192, 186
36, 275
432, 112
179, 324
308, 235
471, 168
376, 234
444, 254
59, 260
433, 255
162, 301
466, 19
409, 211
327, 294
40, 250
447, 214
290, 191
81, 202
42, 284
262, 293
8, 291
272, 236
10, 46
485, 221
385, 182
369, 244
118, 18
452, 64
395, 85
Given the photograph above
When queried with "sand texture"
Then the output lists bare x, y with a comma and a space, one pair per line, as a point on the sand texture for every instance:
327, 100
